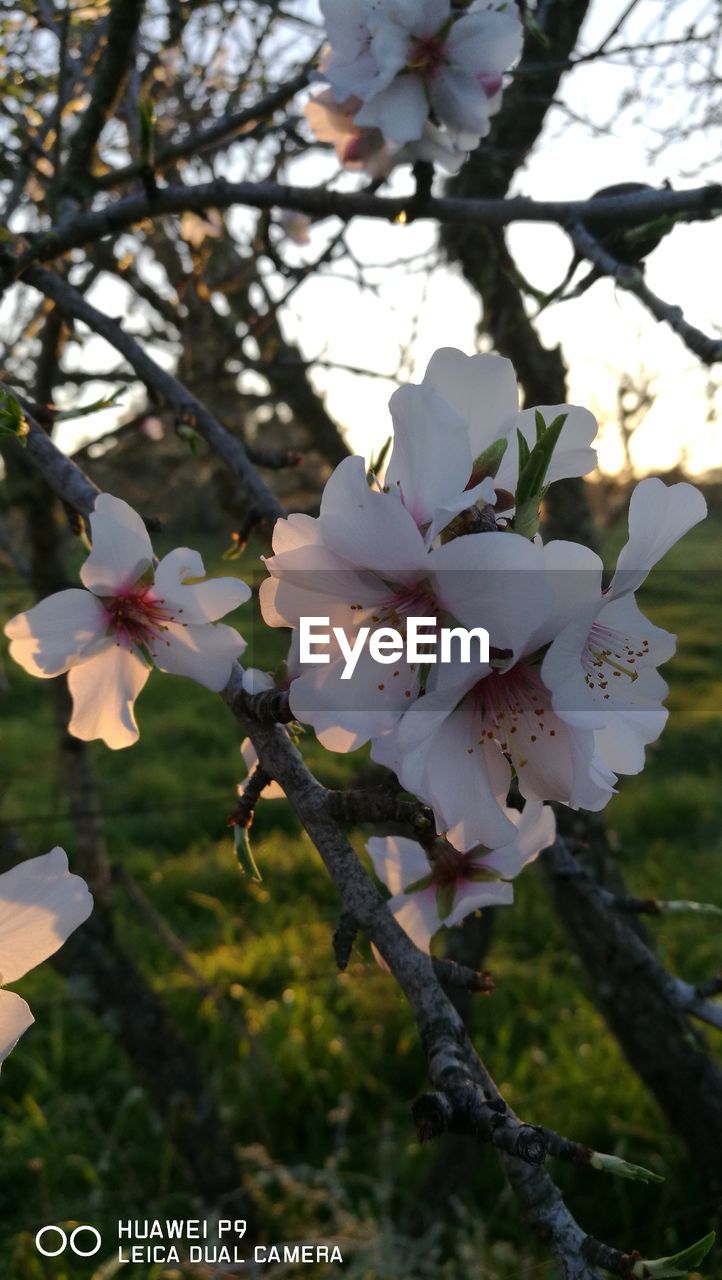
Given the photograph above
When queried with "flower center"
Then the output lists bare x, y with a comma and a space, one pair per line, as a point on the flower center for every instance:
138, 617
448, 865
609, 655
516, 711
427, 56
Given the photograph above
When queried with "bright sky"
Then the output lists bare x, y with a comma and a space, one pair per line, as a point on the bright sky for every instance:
603, 334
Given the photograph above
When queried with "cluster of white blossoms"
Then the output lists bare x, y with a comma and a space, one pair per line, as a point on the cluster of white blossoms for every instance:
412, 79
564, 697
570, 695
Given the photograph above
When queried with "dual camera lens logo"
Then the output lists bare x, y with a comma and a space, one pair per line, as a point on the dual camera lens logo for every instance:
52, 1241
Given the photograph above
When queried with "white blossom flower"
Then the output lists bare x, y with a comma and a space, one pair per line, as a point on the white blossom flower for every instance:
41, 904
134, 614
601, 669
412, 60
430, 892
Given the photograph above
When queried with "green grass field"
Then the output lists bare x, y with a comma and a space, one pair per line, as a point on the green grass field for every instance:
317, 1094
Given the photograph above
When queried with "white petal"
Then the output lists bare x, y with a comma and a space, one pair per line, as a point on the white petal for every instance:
347, 713
397, 861
204, 653
536, 830
121, 547
15, 1018
418, 915
369, 528
659, 515
483, 391
104, 689
493, 580
60, 631
459, 101
399, 111
41, 904
199, 601
472, 897
431, 459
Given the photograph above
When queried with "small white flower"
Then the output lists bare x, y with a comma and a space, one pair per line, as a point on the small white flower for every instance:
601, 668
134, 614
41, 904
430, 892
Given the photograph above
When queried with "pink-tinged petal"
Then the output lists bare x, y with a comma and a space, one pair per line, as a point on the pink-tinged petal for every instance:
205, 654
464, 780
59, 632
659, 515
399, 111
121, 552
199, 601
483, 391
473, 897
104, 689
41, 904
493, 580
296, 530
431, 458
418, 915
397, 861
15, 1018
274, 790
367, 528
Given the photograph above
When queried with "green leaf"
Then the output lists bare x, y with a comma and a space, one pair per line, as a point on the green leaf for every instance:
12, 419
82, 411
377, 463
532, 472
526, 518
535, 30
244, 853
622, 1169
483, 875
680, 1264
445, 895
489, 460
524, 454
540, 424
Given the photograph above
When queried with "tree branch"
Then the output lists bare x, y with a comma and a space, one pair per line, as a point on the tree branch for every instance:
631, 278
